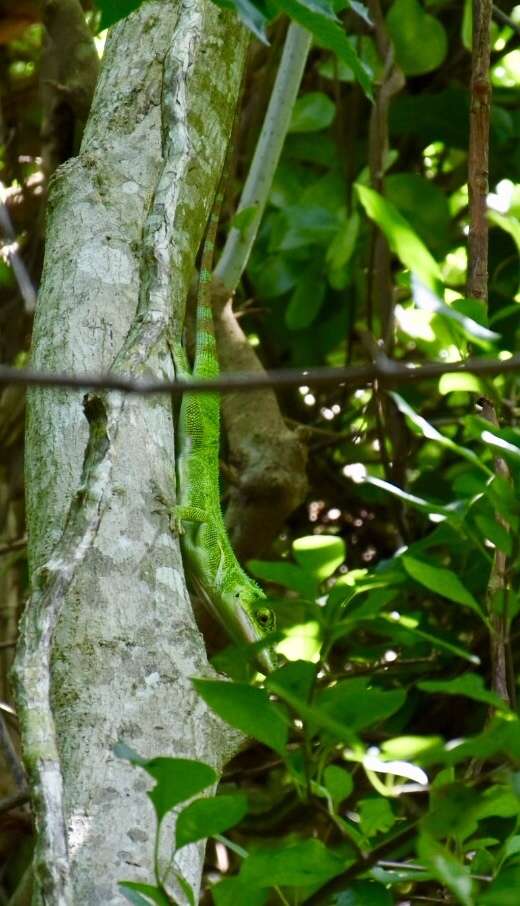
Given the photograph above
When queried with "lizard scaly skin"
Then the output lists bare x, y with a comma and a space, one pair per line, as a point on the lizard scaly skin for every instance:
213, 569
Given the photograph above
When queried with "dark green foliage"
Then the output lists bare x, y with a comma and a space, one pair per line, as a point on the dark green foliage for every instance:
386, 765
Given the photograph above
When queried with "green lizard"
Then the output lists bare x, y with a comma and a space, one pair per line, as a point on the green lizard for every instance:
212, 567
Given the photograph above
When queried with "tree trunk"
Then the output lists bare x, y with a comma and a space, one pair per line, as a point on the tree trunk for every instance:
125, 220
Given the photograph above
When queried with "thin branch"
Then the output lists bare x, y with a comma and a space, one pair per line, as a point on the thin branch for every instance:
387, 371
12, 255
15, 545
478, 151
501, 17
14, 801
11, 755
257, 187
477, 287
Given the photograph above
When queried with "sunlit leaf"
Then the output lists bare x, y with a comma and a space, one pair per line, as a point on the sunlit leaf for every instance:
427, 430
418, 503
403, 240
425, 299
319, 555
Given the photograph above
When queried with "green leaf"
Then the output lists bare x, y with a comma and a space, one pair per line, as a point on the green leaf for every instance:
207, 817
423, 427
435, 640
358, 705
286, 574
365, 893
447, 869
441, 581
376, 815
473, 331
471, 685
247, 709
453, 812
307, 299
418, 503
493, 439
114, 10
186, 887
419, 39
299, 864
273, 276
424, 205
339, 784
297, 677
177, 779
411, 748
234, 891
330, 35
312, 112
319, 555
314, 716
341, 249
244, 218
452, 383
402, 239
250, 14
300, 225
503, 891
493, 531
143, 894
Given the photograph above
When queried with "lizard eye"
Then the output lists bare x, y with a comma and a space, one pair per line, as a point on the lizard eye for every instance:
265, 617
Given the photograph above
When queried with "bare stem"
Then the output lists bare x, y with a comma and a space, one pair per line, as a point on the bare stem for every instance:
257, 187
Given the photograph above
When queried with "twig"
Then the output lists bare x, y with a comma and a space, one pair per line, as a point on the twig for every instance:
11, 756
478, 152
14, 801
387, 371
477, 287
12, 255
15, 545
501, 17
498, 587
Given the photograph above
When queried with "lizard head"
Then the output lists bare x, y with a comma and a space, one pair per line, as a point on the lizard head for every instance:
253, 619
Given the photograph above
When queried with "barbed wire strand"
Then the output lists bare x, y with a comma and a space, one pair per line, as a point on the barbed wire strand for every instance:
387, 371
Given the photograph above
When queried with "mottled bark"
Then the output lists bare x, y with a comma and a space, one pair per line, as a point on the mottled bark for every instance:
125, 220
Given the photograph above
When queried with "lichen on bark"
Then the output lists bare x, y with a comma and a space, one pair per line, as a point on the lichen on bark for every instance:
108, 635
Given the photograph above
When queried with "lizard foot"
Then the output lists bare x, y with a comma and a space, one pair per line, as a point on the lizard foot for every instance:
175, 521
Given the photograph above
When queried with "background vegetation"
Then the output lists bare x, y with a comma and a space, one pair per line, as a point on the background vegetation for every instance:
386, 767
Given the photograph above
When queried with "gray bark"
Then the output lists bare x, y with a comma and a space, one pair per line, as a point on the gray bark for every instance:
125, 220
